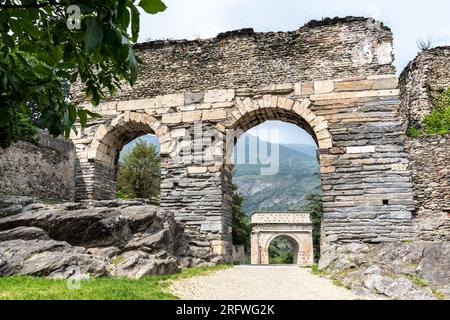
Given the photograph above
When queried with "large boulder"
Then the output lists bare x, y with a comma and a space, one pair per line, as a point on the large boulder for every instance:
435, 265
90, 227
137, 264
47, 258
105, 238
10, 206
24, 233
398, 289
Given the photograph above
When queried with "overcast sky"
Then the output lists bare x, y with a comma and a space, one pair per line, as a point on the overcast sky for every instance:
409, 20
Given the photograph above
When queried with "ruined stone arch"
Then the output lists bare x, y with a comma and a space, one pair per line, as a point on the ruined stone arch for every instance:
108, 140
111, 137
249, 113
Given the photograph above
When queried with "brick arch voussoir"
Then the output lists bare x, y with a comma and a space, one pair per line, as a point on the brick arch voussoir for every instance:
274, 103
105, 131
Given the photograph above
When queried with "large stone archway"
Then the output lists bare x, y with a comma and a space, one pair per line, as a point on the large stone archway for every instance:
295, 227
347, 102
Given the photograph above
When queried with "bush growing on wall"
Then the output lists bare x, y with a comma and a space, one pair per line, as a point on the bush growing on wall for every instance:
438, 122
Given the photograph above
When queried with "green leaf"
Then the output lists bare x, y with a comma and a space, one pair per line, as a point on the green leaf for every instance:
94, 34
83, 117
31, 29
135, 18
152, 6
133, 66
124, 19
72, 113
93, 114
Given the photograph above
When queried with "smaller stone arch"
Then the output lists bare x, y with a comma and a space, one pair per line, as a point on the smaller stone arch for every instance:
294, 226
96, 178
109, 138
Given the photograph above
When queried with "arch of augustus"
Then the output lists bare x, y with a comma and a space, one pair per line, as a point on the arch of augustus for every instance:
334, 78
294, 227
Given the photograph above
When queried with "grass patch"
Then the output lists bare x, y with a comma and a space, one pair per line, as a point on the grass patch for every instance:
418, 281
317, 272
117, 260
147, 288
439, 295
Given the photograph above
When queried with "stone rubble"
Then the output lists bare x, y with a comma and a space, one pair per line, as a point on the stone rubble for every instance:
397, 270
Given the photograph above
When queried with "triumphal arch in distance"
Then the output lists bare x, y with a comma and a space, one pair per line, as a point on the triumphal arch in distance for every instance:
295, 227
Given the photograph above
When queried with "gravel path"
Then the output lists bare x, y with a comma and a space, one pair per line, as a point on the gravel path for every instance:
260, 283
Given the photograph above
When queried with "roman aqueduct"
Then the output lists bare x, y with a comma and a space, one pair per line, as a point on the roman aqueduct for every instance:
334, 78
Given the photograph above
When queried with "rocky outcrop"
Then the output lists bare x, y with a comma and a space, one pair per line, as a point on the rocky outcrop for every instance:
104, 238
401, 271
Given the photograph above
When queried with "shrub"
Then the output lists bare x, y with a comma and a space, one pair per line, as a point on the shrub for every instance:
438, 121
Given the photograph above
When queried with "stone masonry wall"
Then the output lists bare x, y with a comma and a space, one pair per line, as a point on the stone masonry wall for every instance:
430, 168
45, 170
423, 78
334, 78
327, 49
426, 75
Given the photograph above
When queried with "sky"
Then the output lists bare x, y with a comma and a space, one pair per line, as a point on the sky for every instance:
410, 20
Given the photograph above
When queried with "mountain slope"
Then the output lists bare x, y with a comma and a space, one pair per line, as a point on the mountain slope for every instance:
298, 176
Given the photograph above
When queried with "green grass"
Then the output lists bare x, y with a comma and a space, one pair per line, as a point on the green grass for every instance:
315, 271
418, 281
439, 295
147, 288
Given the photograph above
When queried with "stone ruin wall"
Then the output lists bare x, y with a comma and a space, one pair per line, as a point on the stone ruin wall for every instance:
426, 75
44, 170
430, 170
243, 78
321, 50
334, 77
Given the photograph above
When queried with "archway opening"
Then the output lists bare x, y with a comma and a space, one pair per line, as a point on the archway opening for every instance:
276, 169
283, 250
139, 170
129, 141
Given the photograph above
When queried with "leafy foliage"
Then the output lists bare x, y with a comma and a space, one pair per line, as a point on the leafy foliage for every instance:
139, 173
413, 132
40, 57
438, 122
281, 252
240, 222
